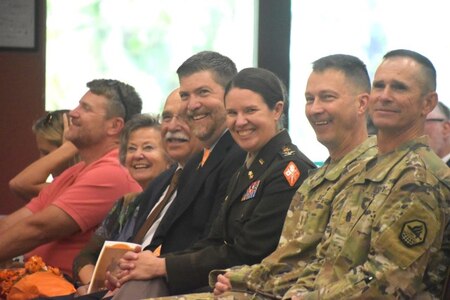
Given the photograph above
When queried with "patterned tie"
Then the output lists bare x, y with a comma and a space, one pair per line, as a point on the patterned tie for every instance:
139, 237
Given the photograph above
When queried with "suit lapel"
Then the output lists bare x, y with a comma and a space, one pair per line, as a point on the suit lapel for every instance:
194, 179
155, 191
219, 151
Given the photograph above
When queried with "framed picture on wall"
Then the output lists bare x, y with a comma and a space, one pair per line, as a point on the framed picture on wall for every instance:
18, 25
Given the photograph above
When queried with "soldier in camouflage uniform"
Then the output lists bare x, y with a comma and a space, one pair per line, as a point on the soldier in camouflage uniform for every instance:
337, 81
385, 239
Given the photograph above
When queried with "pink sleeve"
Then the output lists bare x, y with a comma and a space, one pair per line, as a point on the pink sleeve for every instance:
90, 198
35, 204
42, 200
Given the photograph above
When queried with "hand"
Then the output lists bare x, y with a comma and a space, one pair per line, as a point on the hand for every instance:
66, 124
82, 290
112, 280
114, 274
141, 266
222, 285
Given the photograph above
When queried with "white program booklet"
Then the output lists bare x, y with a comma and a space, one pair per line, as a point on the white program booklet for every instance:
108, 261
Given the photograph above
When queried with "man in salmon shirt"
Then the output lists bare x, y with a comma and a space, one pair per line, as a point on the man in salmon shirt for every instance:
60, 220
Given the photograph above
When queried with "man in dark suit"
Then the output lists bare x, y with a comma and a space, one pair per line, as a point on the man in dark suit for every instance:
205, 177
437, 127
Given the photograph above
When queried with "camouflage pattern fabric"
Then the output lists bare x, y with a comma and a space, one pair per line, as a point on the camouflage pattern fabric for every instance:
303, 229
210, 296
197, 296
385, 237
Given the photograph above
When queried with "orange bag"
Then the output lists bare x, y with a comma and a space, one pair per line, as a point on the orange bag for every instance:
40, 284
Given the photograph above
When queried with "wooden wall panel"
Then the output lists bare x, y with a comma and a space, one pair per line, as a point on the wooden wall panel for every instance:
22, 86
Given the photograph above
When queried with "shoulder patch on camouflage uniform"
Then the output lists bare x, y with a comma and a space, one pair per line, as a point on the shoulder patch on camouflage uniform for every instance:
413, 233
291, 173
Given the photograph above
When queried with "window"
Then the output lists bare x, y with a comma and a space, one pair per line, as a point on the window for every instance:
367, 29
139, 42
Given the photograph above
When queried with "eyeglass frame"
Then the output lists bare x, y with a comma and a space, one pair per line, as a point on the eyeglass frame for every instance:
52, 115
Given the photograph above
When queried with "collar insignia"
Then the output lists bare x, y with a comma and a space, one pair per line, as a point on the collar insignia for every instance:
287, 151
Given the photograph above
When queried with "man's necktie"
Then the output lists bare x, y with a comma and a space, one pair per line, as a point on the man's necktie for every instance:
206, 153
139, 237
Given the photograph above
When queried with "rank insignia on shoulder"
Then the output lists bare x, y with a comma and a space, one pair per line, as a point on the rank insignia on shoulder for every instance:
287, 151
251, 191
291, 173
413, 233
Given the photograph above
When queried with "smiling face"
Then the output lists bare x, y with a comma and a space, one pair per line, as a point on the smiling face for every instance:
250, 121
205, 108
334, 110
89, 123
398, 102
178, 140
145, 157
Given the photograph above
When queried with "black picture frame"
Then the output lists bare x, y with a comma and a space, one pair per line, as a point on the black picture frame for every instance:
18, 25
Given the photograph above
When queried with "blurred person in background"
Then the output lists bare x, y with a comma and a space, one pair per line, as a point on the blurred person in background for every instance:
49, 132
437, 127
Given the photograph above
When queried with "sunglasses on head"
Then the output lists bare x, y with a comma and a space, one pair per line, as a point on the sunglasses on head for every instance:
48, 121
115, 84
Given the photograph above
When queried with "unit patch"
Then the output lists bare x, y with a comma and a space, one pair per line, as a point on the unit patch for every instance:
251, 191
291, 173
413, 233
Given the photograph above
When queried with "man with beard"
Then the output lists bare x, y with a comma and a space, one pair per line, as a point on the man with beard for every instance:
205, 178
60, 220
